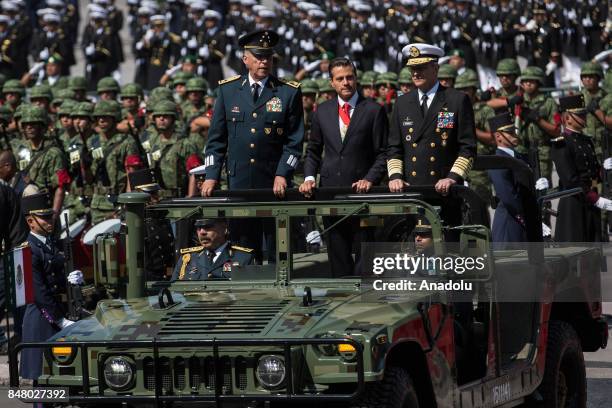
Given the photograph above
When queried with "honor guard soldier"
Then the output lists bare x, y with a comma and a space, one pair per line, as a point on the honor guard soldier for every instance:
46, 315
99, 47
257, 130
215, 257
432, 139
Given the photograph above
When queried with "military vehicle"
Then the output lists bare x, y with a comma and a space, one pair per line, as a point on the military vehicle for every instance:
283, 332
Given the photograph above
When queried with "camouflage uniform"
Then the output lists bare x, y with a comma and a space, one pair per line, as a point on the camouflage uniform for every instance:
594, 128
65, 135
131, 91
110, 157
107, 84
508, 66
13, 86
174, 157
447, 71
389, 79
190, 111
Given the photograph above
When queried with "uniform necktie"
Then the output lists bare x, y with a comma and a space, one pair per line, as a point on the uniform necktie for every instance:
255, 92
211, 256
424, 105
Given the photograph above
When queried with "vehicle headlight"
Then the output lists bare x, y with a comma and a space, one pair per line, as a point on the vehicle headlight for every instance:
270, 371
118, 373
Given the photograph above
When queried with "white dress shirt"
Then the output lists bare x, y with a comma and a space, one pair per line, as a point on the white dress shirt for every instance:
430, 94
507, 150
218, 251
261, 84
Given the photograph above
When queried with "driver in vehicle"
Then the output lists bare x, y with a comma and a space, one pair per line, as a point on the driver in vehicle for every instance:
215, 256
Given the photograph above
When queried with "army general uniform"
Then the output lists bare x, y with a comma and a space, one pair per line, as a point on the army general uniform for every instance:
257, 133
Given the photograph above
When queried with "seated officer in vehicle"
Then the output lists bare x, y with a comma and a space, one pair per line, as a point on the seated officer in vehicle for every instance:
215, 257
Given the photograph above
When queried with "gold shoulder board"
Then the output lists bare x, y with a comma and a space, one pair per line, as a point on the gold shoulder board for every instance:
243, 249
192, 249
230, 79
293, 84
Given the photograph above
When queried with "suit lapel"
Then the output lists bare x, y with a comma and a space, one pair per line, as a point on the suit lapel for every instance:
267, 93
433, 110
333, 118
354, 118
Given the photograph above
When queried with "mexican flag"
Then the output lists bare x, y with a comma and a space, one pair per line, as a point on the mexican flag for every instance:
19, 272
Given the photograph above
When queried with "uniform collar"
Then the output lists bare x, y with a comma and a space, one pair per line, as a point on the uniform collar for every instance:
352, 101
261, 83
429, 93
507, 150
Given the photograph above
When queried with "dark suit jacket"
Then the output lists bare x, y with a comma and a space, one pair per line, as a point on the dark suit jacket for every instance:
431, 147
360, 156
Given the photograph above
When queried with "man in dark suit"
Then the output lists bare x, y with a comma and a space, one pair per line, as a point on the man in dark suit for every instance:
508, 222
432, 135
347, 146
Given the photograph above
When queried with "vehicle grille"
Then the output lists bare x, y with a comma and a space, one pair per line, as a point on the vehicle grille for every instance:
208, 318
197, 374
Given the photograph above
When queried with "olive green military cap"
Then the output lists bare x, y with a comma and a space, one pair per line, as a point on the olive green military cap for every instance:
83, 109
592, 68
508, 66
533, 73
164, 108
447, 71
405, 76
34, 114
107, 108
5, 113
181, 78
325, 85
387, 78
77, 83
468, 79
13, 86
131, 91
309, 86
107, 84
196, 85
67, 107
41, 91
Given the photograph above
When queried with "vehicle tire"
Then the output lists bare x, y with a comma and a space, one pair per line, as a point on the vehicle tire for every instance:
564, 383
396, 390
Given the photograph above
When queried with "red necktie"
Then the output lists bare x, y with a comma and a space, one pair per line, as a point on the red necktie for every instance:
345, 113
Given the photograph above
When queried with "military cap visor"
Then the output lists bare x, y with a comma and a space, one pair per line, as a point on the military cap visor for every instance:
37, 204
502, 123
573, 104
422, 227
419, 54
259, 43
209, 222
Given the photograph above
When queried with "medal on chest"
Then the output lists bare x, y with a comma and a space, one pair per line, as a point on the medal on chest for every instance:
274, 105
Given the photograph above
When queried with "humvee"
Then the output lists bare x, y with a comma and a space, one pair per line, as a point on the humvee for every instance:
282, 332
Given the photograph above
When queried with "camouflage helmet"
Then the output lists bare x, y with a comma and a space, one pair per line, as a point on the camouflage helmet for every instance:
131, 91
181, 78
164, 108
62, 95
468, 79
508, 66
19, 111
13, 86
405, 76
592, 68
389, 78
107, 84
34, 114
309, 86
533, 73
5, 113
607, 83
83, 109
41, 91
196, 85
447, 71
325, 85
107, 108
66, 107
159, 93
77, 83
368, 78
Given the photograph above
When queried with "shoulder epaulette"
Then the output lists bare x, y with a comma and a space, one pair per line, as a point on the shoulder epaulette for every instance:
230, 79
175, 38
24, 244
192, 249
557, 139
243, 249
293, 84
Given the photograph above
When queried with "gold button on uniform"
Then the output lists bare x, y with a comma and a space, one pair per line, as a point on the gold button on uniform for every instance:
432, 159
413, 158
254, 114
252, 145
433, 173
414, 145
433, 144
252, 160
413, 173
253, 130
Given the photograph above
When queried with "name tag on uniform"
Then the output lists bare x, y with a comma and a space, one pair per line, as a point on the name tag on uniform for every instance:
75, 156
446, 120
156, 155
97, 153
274, 105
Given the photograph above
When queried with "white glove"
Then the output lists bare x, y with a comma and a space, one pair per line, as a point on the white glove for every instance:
311, 66
65, 323
231, 31
184, 34
44, 54
542, 184
446, 26
75, 277
531, 25
90, 49
308, 45
436, 30
331, 25
289, 34
356, 47
587, 22
192, 43
36, 67
498, 29
380, 24
550, 67
170, 72
479, 23
607, 164
403, 38
455, 34
148, 35
604, 204
571, 14
313, 237
486, 29
139, 45
204, 53
546, 231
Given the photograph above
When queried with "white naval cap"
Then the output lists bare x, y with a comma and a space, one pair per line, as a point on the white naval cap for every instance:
212, 14
318, 13
51, 17
41, 12
4, 18
55, 3
266, 13
159, 17
9, 6
98, 14
199, 5
145, 11
362, 8
419, 53
409, 2
248, 2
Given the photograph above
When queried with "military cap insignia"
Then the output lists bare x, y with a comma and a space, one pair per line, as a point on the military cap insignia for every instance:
192, 249
274, 105
293, 84
414, 52
243, 249
230, 79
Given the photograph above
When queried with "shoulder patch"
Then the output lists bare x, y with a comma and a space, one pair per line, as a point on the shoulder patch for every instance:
230, 79
243, 249
293, 84
192, 249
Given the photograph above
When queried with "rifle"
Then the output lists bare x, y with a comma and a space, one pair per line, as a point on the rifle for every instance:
75, 297
141, 150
